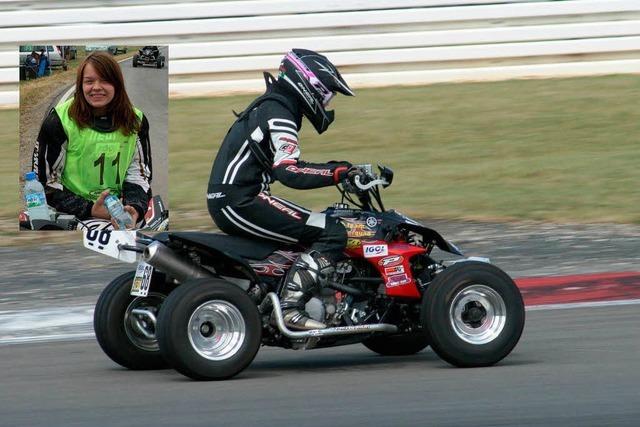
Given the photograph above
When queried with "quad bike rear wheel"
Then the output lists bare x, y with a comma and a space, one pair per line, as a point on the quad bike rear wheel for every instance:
209, 329
125, 325
474, 314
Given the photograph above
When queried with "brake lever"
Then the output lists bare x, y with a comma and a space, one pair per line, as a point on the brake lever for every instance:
372, 183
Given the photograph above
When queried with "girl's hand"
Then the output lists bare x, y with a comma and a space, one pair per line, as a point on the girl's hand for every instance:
134, 218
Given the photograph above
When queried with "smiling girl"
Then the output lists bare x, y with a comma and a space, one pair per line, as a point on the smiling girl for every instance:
95, 144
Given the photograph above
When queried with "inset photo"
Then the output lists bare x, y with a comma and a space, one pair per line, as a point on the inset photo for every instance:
93, 137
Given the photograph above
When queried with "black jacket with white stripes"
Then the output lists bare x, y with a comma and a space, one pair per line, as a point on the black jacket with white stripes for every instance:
49, 159
240, 173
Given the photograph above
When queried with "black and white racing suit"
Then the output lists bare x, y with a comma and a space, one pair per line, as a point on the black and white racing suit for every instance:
262, 147
239, 197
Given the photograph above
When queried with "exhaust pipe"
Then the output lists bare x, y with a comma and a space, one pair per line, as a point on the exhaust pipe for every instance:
163, 258
318, 333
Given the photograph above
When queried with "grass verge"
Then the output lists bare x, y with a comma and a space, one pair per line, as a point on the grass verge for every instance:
558, 150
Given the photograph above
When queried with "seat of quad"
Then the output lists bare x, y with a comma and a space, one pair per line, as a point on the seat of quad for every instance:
241, 246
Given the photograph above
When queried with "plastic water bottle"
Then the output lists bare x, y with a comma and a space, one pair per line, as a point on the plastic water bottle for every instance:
117, 212
34, 197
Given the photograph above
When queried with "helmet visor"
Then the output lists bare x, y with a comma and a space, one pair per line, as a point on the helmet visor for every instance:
322, 90
327, 99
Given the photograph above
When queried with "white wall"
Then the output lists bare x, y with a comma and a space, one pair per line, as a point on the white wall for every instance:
221, 47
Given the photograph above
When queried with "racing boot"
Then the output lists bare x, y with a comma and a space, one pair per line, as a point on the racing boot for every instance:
307, 275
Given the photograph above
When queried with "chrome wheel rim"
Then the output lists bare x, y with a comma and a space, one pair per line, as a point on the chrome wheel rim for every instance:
478, 314
140, 321
216, 330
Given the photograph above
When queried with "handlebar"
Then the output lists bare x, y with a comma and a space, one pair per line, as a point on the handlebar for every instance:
370, 184
363, 182
365, 178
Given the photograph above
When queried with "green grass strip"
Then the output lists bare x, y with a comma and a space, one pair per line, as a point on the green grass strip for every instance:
558, 150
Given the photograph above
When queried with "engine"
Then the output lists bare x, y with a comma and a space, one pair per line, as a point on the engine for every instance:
335, 307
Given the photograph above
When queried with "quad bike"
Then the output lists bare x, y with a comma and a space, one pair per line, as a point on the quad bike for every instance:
148, 55
203, 303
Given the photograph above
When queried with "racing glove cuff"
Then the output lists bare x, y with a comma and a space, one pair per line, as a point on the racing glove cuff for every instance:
339, 173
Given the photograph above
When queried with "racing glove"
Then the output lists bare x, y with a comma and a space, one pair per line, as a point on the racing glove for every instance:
348, 182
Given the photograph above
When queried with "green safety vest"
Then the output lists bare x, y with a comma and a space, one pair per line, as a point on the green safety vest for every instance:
95, 161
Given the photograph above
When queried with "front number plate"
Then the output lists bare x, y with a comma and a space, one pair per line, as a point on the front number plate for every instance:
108, 242
142, 280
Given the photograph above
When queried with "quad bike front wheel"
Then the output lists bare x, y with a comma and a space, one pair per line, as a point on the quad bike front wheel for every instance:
134, 61
209, 329
125, 325
474, 314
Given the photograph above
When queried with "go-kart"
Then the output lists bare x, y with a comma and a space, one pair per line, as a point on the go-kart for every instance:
148, 55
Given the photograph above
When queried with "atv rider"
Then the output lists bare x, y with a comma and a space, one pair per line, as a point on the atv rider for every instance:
262, 147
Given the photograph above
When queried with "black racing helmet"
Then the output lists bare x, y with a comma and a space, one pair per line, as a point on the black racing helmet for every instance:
315, 80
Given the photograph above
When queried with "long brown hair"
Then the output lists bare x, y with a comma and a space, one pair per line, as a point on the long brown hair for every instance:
120, 107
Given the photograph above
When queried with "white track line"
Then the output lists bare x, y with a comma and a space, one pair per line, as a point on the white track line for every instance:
32, 326
46, 338
582, 305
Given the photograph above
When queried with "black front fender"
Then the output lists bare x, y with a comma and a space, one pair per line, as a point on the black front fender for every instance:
430, 235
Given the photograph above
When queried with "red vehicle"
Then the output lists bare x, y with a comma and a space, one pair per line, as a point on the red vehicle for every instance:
204, 302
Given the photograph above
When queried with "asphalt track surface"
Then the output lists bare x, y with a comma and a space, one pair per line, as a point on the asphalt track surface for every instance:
148, 88
576, 366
